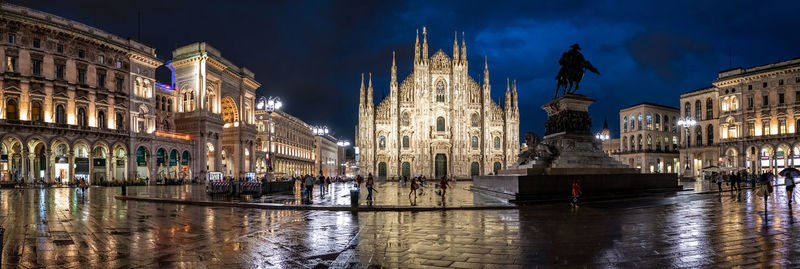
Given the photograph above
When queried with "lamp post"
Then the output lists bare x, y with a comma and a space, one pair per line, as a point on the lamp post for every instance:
602, 137
686, 123
269, 105
343, 144
320, 131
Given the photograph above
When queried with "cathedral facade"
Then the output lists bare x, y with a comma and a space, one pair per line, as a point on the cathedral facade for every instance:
438, 121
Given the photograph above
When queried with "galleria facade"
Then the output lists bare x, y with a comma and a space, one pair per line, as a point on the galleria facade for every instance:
77, 102
438, 121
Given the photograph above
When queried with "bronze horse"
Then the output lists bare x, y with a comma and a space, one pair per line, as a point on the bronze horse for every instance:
573, 67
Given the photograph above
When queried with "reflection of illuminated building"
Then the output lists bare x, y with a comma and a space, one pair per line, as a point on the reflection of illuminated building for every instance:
759, 116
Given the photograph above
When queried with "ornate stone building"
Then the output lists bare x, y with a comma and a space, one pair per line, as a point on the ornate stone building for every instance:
702, 144
292, 145
437, 121
326, 157
759, 117
649, 137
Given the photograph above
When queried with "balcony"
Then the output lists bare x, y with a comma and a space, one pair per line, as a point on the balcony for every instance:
55, 127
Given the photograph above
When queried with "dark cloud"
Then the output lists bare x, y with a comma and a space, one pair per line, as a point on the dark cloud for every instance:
312, 53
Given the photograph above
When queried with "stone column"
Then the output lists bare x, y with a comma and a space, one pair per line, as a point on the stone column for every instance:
47, 170
91, 178
109, 171
24, 161
71, 157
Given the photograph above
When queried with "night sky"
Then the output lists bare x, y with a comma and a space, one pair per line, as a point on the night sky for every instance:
312, 53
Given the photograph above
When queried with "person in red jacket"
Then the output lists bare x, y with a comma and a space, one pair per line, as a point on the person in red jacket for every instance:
576, 192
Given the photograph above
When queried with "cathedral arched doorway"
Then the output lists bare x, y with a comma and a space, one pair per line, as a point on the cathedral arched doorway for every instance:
496, 167
406, 168
475, 169
382, 170
441, 165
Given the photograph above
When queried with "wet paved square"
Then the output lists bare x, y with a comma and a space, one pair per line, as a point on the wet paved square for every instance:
64, 228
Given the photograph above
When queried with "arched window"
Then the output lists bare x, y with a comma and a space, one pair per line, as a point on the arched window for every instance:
61, 115
633, 144
674, 125
649, 119
120, 122
658, 142
101, 119
697, 110
440, 124
624, 144
649, 142
474, 142
639, 142
476, 120
81, 117
382, 142
12, 112
687, 110
36, 111
158, 104
405, 120
666, 123
624, 124
406, 142
169, 105
674, 142
632, 122
658, 122
698, 135
497, 143
709, 109
440, 91
188, 101
639, 121
710, 135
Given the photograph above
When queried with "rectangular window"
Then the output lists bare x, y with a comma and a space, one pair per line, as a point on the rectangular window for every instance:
11, 64
780, 82
781, 126
37, 67
12, 38
764, 85
797, 79
749, 87
60, 48
765, 128
101, 80
60, 71
797, 96
100, 59
118, 64
119, 84
749, 102
81, 54
37, 43
751, 129
765, 101
780, 98
82, 76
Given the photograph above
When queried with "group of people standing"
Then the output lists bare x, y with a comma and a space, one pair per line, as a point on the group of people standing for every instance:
764, 187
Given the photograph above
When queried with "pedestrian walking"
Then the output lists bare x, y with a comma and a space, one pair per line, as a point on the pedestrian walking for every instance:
321, 185
370, 185
718, 180
359, 179
414, 187
443, 185
789, 182
576, 192
309, 182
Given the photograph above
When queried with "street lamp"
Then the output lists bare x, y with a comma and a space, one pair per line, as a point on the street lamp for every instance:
269, 105
320, 131
601, 137
686, 123
343, 144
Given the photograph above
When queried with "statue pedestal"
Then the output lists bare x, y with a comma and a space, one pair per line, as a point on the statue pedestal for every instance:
570, 152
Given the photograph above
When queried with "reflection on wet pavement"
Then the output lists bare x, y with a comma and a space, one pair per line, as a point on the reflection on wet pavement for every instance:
385, 193
64, 228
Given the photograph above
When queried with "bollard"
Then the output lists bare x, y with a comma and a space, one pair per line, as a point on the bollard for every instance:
354, 195
124, 188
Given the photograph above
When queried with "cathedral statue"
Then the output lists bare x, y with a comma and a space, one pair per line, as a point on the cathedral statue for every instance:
573, 66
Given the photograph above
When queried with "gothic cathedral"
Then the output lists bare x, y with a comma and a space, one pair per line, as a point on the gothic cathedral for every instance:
439, 121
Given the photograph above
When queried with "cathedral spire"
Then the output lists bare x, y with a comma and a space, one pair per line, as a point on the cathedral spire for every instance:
394, 70
455, 47
486, 70
424, 44
416, 49
370, 103
361, 99
508, 95
514, 96
463, 48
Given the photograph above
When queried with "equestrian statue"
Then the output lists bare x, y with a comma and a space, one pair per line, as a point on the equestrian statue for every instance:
573, 66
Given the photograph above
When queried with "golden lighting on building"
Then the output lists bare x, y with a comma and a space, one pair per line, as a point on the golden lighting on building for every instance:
173, 135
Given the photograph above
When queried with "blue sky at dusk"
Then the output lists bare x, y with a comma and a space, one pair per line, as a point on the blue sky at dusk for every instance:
312, 53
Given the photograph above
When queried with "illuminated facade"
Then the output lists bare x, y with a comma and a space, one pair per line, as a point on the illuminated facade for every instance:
293, 147
326, 156
703, 107
437, 121
760, 116
649, 138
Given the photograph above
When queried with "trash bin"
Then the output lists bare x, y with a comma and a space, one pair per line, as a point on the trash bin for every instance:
355, 193
124, 188
2, 233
